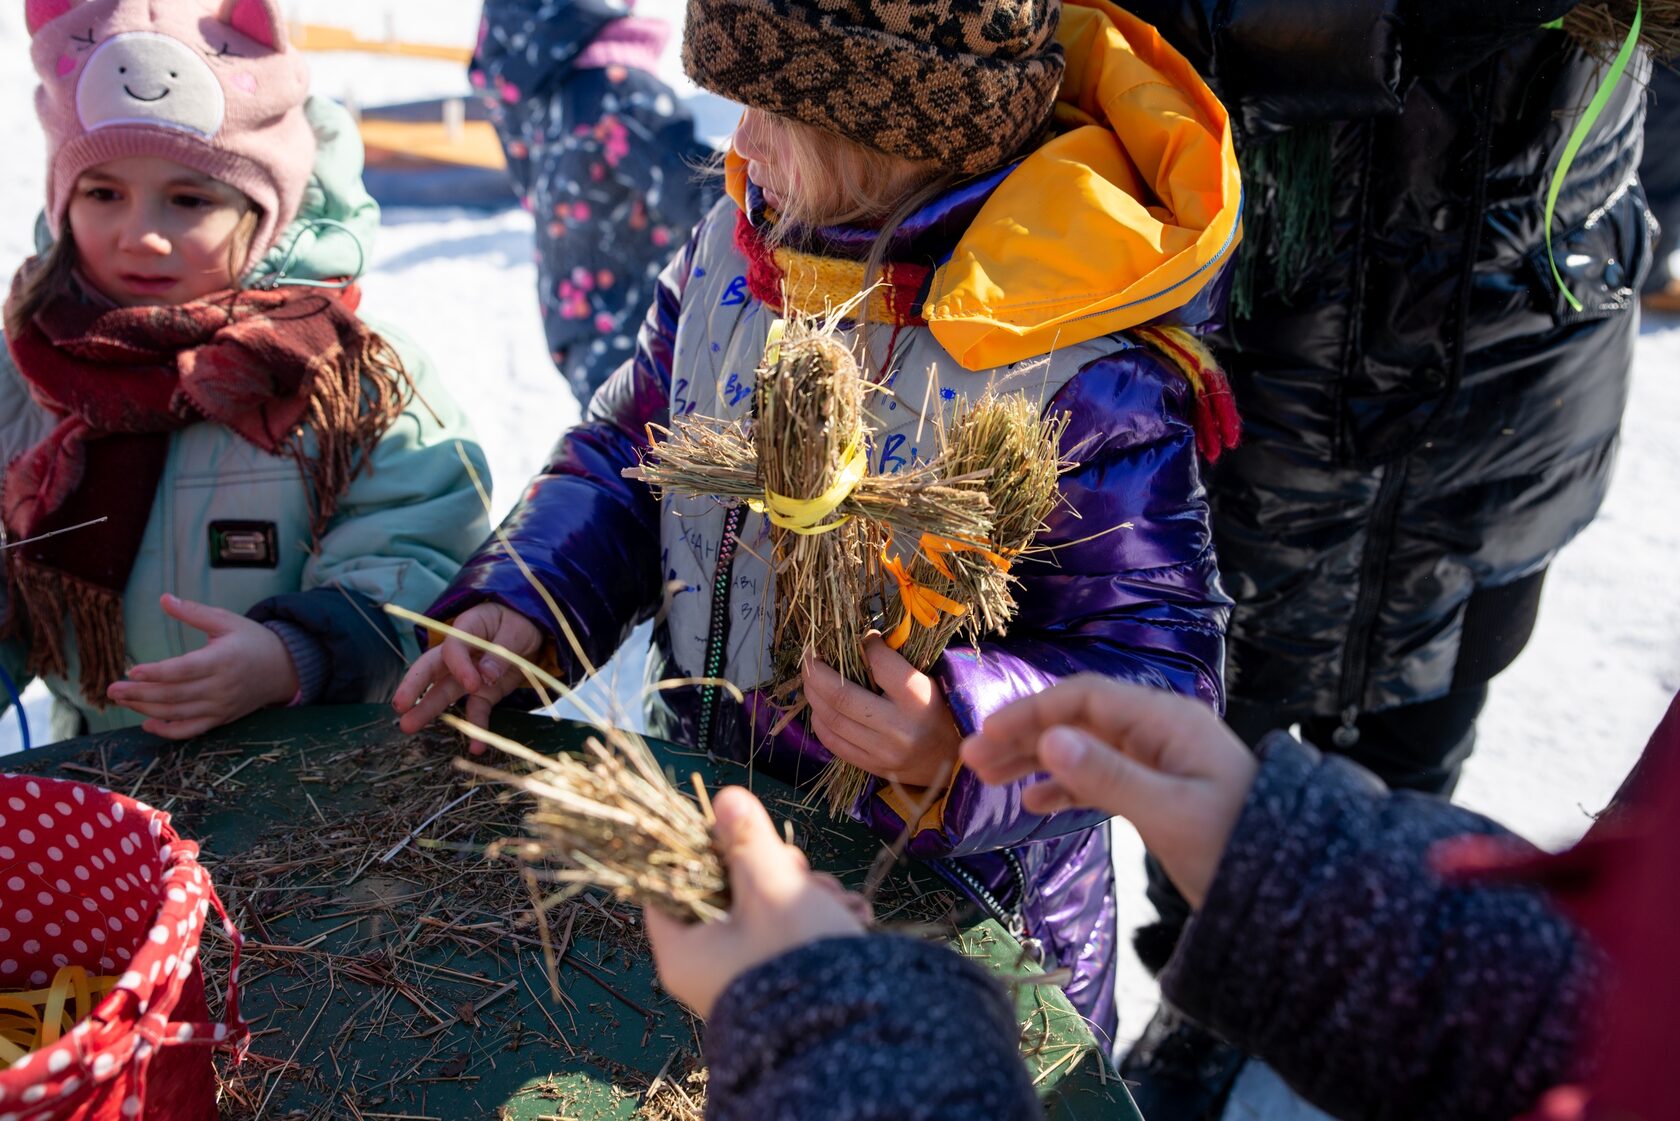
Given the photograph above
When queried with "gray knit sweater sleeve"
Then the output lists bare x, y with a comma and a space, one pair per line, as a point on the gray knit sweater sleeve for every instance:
1329, 949
868, 1028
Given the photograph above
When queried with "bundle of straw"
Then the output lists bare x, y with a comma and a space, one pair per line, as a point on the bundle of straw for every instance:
1600, 26
610, 819
809, 437
679, 1097
1004, 442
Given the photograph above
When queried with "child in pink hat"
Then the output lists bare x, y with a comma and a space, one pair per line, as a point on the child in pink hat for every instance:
152, 390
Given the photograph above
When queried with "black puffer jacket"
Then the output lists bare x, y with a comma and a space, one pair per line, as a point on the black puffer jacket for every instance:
1428, 420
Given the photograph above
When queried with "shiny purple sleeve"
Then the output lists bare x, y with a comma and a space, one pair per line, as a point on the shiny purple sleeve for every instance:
589, 535
1122, 582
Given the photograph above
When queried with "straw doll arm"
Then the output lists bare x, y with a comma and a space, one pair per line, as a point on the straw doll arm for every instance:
589, 535
1328, 947
1120, 583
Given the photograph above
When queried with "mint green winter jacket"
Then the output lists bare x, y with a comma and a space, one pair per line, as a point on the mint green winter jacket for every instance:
401, 530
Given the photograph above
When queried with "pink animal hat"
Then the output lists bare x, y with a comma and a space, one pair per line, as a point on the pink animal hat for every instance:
211, 84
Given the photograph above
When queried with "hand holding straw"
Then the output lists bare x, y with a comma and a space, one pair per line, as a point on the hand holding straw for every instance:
779, 904
948, 586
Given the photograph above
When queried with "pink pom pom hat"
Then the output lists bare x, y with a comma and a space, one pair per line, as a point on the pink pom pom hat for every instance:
213, 85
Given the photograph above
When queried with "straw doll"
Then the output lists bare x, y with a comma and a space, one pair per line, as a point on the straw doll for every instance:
1011, 240
215, 470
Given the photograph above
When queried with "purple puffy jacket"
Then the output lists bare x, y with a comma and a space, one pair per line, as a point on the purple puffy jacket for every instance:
1143, 605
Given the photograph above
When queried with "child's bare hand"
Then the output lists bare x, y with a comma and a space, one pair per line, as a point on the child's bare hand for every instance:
779, 905
907, 734
1164, 762
452, 669
242, 668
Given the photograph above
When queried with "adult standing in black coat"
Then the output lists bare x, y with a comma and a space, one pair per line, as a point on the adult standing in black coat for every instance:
1428, 417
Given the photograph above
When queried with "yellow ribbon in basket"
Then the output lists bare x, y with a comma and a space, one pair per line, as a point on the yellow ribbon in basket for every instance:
32, 1020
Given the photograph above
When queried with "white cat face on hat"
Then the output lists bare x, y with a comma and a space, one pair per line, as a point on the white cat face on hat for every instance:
143, 78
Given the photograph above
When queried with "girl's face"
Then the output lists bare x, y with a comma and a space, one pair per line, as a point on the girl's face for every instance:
763, 142
149, 231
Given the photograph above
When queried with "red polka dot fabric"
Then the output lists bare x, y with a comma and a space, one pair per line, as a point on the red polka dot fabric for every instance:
96, 879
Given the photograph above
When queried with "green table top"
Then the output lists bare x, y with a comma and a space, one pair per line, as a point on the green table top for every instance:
394, 972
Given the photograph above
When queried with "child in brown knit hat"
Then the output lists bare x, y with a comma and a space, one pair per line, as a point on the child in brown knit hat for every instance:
1037, 199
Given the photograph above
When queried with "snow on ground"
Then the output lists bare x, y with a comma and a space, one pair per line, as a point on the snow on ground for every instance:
1564, 723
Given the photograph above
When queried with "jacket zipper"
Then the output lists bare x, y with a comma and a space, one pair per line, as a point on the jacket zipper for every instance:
717, 637
1385, 512
1011, 919
1373, 572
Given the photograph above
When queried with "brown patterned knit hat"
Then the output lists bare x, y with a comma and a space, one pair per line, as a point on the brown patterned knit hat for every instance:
961, 84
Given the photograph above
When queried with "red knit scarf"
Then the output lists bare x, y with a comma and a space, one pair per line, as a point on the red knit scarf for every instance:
268, 365
805, 283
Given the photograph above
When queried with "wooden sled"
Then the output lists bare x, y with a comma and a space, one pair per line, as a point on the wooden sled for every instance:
435, 153
320, 37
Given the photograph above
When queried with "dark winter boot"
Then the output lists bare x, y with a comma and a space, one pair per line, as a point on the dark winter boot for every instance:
1178, 1071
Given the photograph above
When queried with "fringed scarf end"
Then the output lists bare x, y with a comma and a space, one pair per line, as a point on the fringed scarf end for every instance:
1214, 416
44, 603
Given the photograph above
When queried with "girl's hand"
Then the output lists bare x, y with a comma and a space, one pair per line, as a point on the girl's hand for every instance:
1166, 763
452, 670
906, 735
244, 667
779, 905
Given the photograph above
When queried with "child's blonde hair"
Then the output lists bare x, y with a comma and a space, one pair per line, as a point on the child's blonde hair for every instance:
841, 181
50, 274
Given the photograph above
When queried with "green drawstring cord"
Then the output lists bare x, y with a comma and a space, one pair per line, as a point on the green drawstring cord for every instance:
314, 227
1583, 127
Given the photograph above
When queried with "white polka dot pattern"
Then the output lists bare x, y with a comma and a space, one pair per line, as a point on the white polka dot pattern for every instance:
93, 878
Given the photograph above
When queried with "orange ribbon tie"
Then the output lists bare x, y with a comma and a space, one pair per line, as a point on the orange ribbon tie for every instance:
936, 549
921, 603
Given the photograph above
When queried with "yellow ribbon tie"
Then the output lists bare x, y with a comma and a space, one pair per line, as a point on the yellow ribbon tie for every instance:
773, 343
32, 1020
936, 549
921, 603
809, 516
